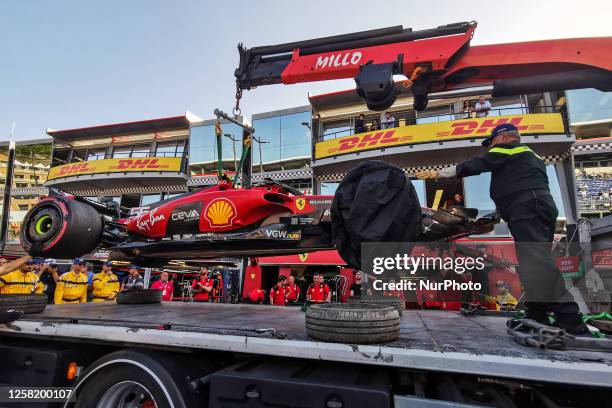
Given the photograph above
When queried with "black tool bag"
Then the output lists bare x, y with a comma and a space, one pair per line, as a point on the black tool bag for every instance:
375, 202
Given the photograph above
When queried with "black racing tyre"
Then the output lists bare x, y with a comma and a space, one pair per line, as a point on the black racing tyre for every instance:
353, 323
60, 227
393, 301
139, 296
34, 303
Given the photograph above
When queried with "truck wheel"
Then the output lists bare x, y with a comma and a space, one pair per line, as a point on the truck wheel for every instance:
353, 323
393, 301
34, 303
128, 379
139, 296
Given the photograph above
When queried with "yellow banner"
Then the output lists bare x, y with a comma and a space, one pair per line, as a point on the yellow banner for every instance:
539, 123
144, 164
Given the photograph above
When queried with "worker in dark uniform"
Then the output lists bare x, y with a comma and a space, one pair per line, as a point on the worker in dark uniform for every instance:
519, 188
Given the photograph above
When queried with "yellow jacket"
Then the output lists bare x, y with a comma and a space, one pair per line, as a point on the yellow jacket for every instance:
104, 285
71, 288
19, 283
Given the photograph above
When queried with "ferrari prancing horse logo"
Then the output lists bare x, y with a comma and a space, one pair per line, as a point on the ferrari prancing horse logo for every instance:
300, 203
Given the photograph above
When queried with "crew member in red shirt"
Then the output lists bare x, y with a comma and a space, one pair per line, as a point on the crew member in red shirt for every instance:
318, 291
293, 290
257, 296
278, 294
166, 287
202, 286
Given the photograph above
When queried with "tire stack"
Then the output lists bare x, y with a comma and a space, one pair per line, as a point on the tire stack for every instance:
13, 307
393, 301
353, 323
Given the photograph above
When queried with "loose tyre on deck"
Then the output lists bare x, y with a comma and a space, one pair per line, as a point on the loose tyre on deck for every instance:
34, 303
393, 301
139, 296
353, 323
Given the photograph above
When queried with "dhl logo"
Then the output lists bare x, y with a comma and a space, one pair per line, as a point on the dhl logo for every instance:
483, 128
135, 164
370, 140
78, 168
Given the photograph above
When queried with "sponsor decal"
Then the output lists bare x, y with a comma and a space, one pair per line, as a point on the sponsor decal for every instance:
186, 216
220, 212
176, 236
314, 201
303, 257
188, 236
300, 203
342, 59
282, 234
541, 123
106, 166
145, 221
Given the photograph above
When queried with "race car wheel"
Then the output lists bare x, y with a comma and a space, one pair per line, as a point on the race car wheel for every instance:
139, 296
353, 323
60, 227
393, 301
34, 303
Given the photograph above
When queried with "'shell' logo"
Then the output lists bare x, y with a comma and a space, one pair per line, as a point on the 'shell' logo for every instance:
220, 212
78, 168
300, 203
481, 128
139, 164
369, 140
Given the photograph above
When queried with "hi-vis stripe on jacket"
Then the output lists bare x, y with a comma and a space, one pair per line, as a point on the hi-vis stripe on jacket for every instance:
19, 283
71, 288
514, 168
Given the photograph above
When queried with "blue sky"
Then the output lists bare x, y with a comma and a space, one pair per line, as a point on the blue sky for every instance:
66, 64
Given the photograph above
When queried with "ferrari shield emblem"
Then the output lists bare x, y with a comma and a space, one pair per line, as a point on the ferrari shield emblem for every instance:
303, 257
300, 203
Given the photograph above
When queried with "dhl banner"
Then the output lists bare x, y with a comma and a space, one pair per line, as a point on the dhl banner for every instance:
539, 123
144, 164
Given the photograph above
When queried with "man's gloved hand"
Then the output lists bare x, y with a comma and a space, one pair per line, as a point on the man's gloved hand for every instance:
36, 248
427, 175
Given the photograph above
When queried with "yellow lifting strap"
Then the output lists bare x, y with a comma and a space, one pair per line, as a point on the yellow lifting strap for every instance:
514, 150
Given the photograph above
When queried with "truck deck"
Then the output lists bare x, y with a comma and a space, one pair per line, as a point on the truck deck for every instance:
429, 340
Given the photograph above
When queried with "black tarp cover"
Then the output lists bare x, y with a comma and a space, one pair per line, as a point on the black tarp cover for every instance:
375, 202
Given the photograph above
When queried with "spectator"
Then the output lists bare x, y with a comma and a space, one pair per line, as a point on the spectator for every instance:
133, 280
165, 285
202, 286
72, 285
22, 281
318, 291
360, 124
278, 294
467, 109
458, 200
105, 284
359, 286
293, 290
90, 276
8, 267
256, 296
373, 126
389, 121
49, 277
482, 107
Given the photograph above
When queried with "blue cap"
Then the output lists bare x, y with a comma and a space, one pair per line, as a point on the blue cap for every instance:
108, 263
78, 261
504, 127
38, 261
133, 266
31, 262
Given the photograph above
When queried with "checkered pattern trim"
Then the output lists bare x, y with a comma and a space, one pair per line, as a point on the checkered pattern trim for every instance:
594, 147
27, 191
411, 170
134, 190
276, 175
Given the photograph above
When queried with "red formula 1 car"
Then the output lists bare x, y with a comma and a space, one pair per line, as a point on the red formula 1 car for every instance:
265, 219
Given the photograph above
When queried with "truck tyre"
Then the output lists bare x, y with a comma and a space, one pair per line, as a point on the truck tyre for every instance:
7, 316
139, 296
34, 303
393, 301
133, 378
353, 323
